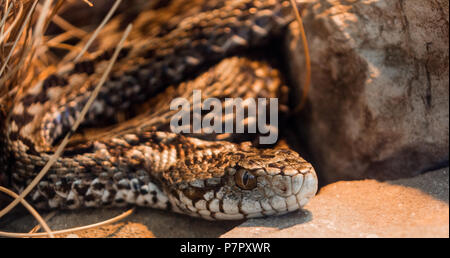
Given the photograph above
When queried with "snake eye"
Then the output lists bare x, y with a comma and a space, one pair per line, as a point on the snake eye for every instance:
245, 179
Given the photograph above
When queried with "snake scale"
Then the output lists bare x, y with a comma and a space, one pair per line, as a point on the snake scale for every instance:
175, 47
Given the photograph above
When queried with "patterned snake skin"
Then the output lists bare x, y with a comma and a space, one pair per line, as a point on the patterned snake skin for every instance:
174, 48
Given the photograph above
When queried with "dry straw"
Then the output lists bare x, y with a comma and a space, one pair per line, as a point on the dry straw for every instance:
37, 41
31, 210
99, 28
63, 144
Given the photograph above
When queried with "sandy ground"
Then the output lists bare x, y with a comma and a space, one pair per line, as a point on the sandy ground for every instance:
414, 207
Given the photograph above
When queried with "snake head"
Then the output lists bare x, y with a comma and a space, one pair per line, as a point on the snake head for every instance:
253, 183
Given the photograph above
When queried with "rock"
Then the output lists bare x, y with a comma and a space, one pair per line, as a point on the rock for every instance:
413, 207
379, 100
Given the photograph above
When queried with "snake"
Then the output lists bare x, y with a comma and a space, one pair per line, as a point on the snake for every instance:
175, 47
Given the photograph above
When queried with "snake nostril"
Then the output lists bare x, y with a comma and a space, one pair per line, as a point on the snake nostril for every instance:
282, 185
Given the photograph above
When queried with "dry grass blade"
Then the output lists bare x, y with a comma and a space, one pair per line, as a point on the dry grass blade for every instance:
31, 210
63, 46
63, 24
18, 37
7, 95
60, 38
99, 28
70, 230
13, 80
47, 218
3, 21
89, 3
13, 24
63, 144
307, 82
39, 28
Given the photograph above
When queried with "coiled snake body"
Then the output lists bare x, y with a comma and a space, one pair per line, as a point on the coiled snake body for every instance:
138, 161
